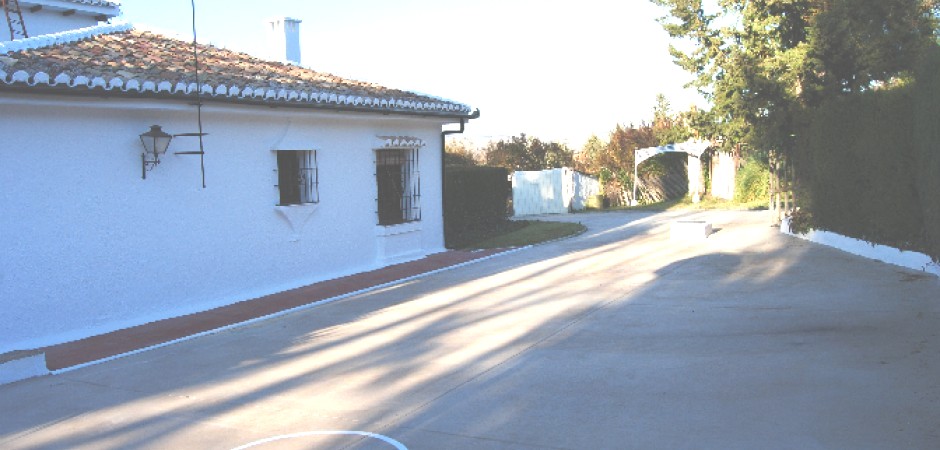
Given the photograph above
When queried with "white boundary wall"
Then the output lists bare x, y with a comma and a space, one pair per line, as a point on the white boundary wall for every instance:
89, 247
878, 252
553, 191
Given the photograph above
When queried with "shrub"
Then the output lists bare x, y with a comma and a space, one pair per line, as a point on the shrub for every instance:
927, 145
476, 203
752, 182
864, 184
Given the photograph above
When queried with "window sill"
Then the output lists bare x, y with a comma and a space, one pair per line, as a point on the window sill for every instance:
403, 228
296, 216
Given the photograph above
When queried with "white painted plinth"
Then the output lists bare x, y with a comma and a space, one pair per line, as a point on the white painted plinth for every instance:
21, 368
878, 252
690, 229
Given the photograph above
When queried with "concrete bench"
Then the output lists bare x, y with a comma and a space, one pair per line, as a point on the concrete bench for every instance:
690, 229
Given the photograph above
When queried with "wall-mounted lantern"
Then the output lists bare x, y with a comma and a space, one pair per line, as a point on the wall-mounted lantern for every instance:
155, 144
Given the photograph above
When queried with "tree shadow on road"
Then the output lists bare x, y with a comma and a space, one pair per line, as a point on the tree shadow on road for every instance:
620, 331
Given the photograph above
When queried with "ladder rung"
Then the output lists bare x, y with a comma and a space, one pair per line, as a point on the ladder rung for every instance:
11, 8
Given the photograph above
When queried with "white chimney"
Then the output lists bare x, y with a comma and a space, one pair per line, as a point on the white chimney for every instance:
284, 39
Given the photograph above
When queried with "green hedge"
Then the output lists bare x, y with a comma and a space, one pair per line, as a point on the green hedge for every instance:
870, 163
752, 182
476, 203
927, 146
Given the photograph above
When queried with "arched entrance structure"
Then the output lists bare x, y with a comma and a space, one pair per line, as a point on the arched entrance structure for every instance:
694, 148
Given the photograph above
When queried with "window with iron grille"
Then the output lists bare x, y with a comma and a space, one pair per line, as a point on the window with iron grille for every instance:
399, 186
297, 177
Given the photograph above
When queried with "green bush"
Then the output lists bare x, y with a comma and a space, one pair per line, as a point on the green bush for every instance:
476, 203
596, 201
927, 145
752, 182
864, 184
871, 164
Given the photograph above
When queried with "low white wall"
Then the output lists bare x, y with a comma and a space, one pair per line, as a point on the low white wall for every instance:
553, 191
878, 252
537, 192
583, 187
89, 247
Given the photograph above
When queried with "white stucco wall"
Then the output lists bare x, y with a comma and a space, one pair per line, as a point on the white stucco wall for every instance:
53, 16
89, 247
552, 191
537, 192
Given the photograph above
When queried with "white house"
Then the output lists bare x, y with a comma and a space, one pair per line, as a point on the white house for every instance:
301, 177
41, 17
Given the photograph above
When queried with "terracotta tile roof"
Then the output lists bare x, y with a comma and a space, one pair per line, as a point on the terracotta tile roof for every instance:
121, 59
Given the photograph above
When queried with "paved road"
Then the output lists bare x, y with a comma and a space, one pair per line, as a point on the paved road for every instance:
618, 338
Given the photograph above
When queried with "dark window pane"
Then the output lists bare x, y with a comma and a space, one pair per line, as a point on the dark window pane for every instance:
389, 179
288, 176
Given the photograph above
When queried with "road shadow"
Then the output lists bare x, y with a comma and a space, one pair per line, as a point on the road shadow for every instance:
558, 346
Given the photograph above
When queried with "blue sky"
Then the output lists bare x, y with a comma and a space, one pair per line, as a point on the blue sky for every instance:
557, 70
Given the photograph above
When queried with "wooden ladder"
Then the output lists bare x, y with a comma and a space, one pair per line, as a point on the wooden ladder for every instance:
11, 8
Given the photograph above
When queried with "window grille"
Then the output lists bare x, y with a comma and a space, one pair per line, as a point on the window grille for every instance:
298, 178
399, 186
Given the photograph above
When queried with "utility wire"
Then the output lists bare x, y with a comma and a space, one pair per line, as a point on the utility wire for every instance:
202, 152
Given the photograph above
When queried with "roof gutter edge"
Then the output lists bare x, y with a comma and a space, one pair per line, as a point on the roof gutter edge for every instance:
104, 94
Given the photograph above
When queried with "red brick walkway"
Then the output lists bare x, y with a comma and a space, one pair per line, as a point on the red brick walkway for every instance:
118, 342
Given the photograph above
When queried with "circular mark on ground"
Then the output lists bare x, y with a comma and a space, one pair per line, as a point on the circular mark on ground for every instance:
395, 444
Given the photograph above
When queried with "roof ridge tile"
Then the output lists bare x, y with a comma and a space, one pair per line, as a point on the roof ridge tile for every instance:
112, 3
63, 37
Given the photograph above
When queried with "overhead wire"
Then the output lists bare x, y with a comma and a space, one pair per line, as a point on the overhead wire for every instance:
202, 152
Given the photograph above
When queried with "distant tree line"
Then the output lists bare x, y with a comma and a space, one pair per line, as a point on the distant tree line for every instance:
515, 153
525, 153
610, 160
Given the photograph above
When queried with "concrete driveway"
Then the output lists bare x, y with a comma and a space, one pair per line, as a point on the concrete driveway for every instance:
618, 338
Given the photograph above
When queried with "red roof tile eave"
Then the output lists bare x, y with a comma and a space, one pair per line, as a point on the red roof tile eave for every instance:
267, 103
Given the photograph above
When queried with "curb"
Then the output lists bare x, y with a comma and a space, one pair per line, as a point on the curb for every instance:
22, 365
